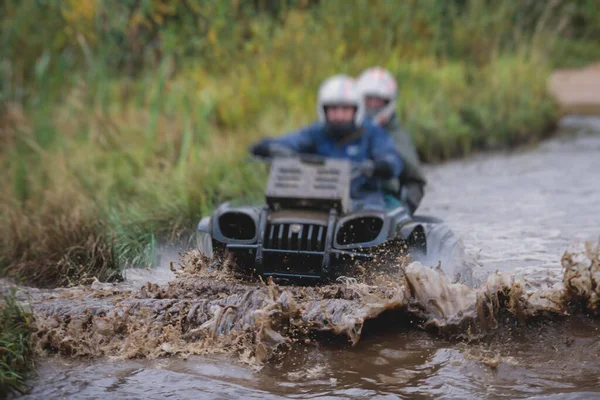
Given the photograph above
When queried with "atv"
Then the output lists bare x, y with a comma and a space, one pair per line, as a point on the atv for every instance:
307, 230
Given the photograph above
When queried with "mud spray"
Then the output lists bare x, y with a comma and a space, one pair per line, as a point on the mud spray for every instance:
208, 309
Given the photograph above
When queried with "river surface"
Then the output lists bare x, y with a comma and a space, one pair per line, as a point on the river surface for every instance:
515, 212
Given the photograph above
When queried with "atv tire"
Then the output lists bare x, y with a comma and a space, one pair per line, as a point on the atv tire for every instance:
446, 250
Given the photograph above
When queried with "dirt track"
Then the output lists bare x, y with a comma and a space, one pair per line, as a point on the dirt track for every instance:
577, 90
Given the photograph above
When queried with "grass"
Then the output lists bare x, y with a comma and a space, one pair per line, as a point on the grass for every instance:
101, 175
15, 346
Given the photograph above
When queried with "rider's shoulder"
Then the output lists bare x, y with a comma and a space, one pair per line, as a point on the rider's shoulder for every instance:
314, 128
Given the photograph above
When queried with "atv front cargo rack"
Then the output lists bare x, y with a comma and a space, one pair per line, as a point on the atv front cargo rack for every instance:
320, 184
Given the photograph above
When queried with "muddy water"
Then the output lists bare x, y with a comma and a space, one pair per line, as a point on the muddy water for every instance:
521, 211
517, 213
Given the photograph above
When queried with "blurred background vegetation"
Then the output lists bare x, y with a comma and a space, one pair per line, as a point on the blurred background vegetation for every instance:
124, 121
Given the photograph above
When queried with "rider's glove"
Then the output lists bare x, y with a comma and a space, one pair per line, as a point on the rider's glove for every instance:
277, 150
383, 169
261, 149
264, 148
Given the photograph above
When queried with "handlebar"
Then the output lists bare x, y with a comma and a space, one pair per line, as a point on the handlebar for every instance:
314, 159
306, 158
364, 168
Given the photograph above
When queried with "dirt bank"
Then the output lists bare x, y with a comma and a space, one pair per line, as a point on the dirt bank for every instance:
577, 90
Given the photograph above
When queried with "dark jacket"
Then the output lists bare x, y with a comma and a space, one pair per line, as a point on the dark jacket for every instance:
412, 171
410, 187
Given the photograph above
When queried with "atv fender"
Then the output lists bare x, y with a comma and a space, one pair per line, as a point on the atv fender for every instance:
205, 225
414, 233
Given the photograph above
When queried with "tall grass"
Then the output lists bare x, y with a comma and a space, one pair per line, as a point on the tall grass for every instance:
124, 122
91, 202
15, 346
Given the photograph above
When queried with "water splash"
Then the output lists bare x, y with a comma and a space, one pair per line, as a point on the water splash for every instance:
207, 308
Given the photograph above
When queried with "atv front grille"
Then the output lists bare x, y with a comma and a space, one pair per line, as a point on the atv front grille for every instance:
300, 237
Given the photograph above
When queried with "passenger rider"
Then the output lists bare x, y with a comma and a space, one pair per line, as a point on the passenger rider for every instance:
380, 92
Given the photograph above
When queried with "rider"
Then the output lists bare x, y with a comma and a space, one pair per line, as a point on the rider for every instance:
380, 92
341, 132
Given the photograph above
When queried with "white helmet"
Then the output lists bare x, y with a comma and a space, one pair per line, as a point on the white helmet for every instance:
340, 90
378, 82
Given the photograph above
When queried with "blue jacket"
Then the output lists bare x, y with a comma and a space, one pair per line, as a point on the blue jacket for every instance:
373, 143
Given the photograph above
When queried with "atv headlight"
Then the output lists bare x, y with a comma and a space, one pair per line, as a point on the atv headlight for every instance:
237, 226
358, 230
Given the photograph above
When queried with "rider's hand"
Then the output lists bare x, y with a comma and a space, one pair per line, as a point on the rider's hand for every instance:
277, 150
383, 169
265, 148
261, 149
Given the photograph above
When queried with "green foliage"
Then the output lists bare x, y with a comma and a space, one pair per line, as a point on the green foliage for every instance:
133, 34
123, 122
15, 345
